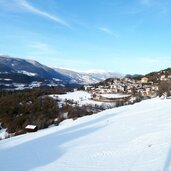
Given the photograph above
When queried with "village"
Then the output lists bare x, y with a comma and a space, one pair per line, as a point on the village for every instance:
122, 89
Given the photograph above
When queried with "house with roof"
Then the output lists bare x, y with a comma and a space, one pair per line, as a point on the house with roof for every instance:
144, 80
31, 128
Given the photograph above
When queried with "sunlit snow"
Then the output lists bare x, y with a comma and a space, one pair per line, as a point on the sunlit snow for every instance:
128, 138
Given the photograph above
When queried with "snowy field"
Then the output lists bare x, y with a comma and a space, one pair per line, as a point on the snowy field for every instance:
84, 98
81, 97
128, 138
115, 95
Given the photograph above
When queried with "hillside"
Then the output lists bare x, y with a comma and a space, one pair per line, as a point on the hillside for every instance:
37, 75
88, 77
135, 137
18, 74
76, 77
155, 76
159, 75
30, 67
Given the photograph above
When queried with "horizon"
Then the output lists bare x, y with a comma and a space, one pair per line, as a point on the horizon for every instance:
129, 38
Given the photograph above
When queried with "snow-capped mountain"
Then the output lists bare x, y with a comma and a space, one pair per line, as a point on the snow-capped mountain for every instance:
22, 71
31, 68
16, 73
89, 77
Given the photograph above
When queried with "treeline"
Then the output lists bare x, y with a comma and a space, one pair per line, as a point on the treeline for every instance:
18, 109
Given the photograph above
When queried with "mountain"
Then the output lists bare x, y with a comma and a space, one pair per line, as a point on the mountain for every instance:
129, 138
88, 77
16, 73
4, 68
31, 68
32, 73
29, 73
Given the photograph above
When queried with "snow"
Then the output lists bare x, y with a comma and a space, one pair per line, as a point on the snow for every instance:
32, 62
84, 98
7, 79
28, 73
81, 97
128, 138
3, 133
114, 95
55, 79
30, 127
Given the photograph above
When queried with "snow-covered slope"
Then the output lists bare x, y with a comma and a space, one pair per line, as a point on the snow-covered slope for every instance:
90, 77
129, 138
81, 97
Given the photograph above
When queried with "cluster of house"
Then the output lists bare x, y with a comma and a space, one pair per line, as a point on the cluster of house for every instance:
128, 86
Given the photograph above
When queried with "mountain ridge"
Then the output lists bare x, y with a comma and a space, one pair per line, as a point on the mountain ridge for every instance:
59, 76
88, 77
10, 65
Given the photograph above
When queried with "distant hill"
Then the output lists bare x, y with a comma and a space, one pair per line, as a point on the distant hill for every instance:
88, 77
14, 72
159, 75
29, 67
155, 77
135, 76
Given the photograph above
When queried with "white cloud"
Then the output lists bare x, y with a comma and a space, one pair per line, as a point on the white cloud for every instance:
108, 31
14, 5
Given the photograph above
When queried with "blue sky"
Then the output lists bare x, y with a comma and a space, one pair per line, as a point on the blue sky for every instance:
113, 35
